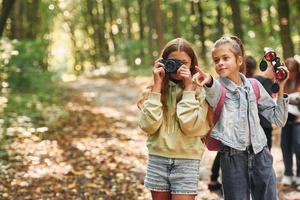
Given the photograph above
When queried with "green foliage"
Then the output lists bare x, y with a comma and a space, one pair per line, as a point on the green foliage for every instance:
32, 92
42, 108
27, 69
131, 50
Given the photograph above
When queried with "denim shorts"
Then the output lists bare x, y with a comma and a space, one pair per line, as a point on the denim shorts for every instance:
177, 176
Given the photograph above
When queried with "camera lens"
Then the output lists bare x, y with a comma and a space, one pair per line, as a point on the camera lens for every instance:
172, 65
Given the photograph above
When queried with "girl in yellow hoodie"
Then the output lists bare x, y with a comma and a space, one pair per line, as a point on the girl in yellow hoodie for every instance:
174, 116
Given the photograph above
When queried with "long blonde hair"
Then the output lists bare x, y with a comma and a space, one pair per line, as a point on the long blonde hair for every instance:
178, 44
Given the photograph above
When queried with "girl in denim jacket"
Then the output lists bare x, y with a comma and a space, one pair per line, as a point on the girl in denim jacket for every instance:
246, 162
173, 114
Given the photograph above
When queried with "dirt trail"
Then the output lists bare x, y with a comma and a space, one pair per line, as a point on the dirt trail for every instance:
116, 99
98, 152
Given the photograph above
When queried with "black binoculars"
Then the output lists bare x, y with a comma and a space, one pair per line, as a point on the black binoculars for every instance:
271, 57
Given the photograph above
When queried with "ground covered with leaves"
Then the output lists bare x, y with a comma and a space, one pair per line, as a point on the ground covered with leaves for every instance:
95, 152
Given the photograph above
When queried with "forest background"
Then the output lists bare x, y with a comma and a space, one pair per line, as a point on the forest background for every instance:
45, 43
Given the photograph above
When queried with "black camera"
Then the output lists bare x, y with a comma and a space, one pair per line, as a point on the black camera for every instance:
171, 65
280, 74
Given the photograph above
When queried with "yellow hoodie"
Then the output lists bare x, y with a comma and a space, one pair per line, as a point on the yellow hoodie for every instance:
179, 134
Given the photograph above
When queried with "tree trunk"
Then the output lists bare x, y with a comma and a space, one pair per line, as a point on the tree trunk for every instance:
298, 24
193, 22
111, 22
158, 24
102, 30
128, 19
6, 7
270, 22
201, 32
151, 24
77, 67
17, 21
236, 18
141, 24
33, 19
92, 22
220, 26
257, 24
175, 12
285, 33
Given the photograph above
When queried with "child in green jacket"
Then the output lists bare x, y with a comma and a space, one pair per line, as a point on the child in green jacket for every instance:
174, 115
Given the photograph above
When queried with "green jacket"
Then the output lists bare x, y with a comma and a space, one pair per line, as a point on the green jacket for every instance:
179, 134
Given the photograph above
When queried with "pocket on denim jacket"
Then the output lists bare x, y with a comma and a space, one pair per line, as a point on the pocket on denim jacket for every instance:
232, 102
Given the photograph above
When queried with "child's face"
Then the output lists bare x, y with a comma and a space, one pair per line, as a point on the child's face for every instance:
184, 57
226, 64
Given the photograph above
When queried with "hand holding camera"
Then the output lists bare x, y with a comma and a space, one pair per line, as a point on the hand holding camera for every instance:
280, 71
171, 65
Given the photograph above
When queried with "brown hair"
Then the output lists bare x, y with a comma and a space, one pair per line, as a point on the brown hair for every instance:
237, 47
177, 44
293, 66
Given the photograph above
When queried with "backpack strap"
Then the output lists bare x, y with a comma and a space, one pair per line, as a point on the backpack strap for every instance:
255, 88
219, 107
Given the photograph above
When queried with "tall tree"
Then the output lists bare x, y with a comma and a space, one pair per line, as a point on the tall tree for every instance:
219, 25
193, 21
270, 22
141, 23
104, 49
175, 12
6, 8
285, 33
201, 28
236, 18
128, 18
257, 23
150, 30
158, 24
111, 10
33, 19
17, 20
92, 23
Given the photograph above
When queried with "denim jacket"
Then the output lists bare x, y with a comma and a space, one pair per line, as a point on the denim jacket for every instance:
239, 115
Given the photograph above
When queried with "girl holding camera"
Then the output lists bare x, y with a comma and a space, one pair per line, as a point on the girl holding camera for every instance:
246, 162
173, 114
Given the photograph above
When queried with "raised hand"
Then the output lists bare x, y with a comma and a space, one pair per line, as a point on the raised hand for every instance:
158, 71
185, 74
282, 82
158, 75
202, 78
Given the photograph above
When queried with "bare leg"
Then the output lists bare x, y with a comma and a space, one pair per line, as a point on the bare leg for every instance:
183, 197
161, 195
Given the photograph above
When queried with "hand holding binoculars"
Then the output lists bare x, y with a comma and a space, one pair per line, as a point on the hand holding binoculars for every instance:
279, 73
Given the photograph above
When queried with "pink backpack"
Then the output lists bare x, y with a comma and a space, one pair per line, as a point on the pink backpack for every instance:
211, 143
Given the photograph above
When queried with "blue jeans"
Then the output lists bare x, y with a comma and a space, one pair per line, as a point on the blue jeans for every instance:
290, 143
174, 175
245, 173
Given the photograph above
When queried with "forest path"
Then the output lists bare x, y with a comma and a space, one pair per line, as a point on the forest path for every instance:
96, 152
117, 99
